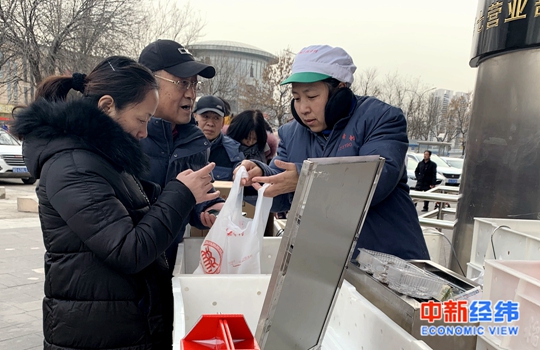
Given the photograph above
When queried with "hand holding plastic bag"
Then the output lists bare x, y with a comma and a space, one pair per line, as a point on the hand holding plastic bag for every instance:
234, 242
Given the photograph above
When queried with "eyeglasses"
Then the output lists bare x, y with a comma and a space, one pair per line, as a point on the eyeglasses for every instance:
183, 84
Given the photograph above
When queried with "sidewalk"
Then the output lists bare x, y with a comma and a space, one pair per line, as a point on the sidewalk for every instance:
21, 274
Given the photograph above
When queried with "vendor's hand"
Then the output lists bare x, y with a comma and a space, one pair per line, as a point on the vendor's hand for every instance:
281, 183
199, 183
208, 219
252, 170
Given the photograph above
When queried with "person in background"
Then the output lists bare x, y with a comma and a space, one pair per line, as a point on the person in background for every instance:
224, 151
107, 285
228, 114
249, 129
271, 141
426, 176
330, 121
174, 141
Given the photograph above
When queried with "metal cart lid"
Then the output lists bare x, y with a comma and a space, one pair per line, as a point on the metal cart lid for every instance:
328, 210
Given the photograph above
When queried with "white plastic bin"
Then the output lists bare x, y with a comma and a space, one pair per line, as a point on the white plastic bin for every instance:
434, 242
519, 241
355, 323
484, 343
195, 295
517, 281
474, 270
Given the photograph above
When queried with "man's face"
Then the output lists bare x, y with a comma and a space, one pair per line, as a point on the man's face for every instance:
175, 101
210, 123
426, 155
310, 101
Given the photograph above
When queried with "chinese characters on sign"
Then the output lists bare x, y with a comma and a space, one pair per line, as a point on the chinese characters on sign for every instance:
516, 11
480, 23
493, 14
504, 25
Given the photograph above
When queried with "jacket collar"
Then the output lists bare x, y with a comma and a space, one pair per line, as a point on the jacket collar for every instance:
232, 147
51, 127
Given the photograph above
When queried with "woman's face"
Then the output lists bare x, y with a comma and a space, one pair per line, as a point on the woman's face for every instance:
310, 101
251, 139
134, 118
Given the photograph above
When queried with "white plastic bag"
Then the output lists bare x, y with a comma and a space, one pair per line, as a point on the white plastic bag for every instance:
234, 243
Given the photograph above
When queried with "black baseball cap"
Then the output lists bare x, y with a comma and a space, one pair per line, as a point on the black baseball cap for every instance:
175, 59
210, 104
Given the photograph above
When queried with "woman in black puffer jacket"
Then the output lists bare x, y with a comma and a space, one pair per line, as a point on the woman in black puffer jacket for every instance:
107, 284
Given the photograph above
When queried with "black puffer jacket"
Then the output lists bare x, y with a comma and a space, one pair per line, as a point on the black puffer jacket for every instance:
107, 285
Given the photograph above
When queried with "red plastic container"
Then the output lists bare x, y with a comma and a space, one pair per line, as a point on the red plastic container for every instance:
220, 332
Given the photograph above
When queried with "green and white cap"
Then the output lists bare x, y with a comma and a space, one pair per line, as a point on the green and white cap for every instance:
319, 62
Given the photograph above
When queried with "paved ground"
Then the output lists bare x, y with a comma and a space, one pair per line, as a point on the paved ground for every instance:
21, 272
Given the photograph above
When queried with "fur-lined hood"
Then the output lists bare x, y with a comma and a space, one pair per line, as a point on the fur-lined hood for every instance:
47, 128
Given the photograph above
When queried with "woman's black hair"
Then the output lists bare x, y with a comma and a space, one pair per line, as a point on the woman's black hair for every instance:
243, 123
267, 126
332, 84
125, 80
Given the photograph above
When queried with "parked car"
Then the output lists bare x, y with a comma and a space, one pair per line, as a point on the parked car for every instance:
452, 176
454, 162
411, 176
11, 159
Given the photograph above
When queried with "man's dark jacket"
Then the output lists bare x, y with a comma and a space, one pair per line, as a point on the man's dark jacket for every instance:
225, 152
169, 156
426, 175
107, 284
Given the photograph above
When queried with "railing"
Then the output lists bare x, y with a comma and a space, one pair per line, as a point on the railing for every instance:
443, 195
433, 218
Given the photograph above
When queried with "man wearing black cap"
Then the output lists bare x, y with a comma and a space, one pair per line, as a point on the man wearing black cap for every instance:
174, 142
225, 152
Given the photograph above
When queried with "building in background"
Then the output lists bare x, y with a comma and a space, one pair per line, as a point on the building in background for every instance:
449, 124
236, 64
442, 98
15, 88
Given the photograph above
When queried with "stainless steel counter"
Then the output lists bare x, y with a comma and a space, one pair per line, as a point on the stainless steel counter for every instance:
405, 311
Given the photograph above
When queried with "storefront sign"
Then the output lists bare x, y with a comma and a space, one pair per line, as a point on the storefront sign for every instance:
505, 25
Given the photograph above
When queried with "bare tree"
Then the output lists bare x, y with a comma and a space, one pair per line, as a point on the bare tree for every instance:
394, 90
447, 126
413, 98
459, 113
57, 36
268, 95
366, 83
167, 19
433, 112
